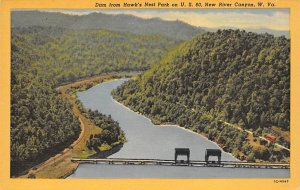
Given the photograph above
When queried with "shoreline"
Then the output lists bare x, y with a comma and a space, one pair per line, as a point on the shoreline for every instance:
131, 110
178, 126
199, 134
60, 165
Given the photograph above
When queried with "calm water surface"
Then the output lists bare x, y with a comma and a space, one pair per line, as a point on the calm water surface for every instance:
146, 140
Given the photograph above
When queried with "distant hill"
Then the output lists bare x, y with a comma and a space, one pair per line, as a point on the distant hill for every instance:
122, 23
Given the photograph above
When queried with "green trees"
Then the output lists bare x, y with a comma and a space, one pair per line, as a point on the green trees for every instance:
111, 135
230, 75
67, 55
251, 157
42, 58
42, 123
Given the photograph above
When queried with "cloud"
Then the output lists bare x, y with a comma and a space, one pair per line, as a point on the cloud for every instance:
276, 19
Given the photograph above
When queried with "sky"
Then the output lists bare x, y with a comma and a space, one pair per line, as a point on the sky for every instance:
275, 19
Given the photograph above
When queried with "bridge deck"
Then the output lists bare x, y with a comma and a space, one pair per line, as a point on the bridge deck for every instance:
124, 161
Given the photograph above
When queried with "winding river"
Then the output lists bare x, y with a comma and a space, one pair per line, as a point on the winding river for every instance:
146, 140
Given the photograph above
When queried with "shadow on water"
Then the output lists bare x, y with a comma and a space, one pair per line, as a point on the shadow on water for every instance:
107, 153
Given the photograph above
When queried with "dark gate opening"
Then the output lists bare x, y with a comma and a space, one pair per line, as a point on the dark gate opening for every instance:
213, 152
184, 152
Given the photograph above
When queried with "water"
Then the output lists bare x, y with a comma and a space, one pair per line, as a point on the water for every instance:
154, 171
146, 140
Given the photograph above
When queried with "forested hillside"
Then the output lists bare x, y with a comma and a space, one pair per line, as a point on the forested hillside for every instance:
69, 54
42, 122
228, 76
120, 23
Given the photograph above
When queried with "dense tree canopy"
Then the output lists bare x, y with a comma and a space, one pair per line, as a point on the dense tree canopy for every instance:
41, 121
230, 75
44, 57
111, 134
66, 55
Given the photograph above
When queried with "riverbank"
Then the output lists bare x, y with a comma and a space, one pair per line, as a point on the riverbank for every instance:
175, 125
203, 135
244, 153
60, 165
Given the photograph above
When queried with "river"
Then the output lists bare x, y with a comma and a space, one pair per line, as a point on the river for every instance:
146, 140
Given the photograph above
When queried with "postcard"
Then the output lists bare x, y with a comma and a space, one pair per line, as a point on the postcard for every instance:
149, 94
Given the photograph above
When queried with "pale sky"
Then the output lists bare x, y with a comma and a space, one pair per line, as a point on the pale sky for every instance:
275, 19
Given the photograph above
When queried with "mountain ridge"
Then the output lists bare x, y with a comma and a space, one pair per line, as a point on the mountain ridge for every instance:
122, 23
175, 29
276, 33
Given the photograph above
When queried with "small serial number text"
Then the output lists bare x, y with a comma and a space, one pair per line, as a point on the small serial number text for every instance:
281, 180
